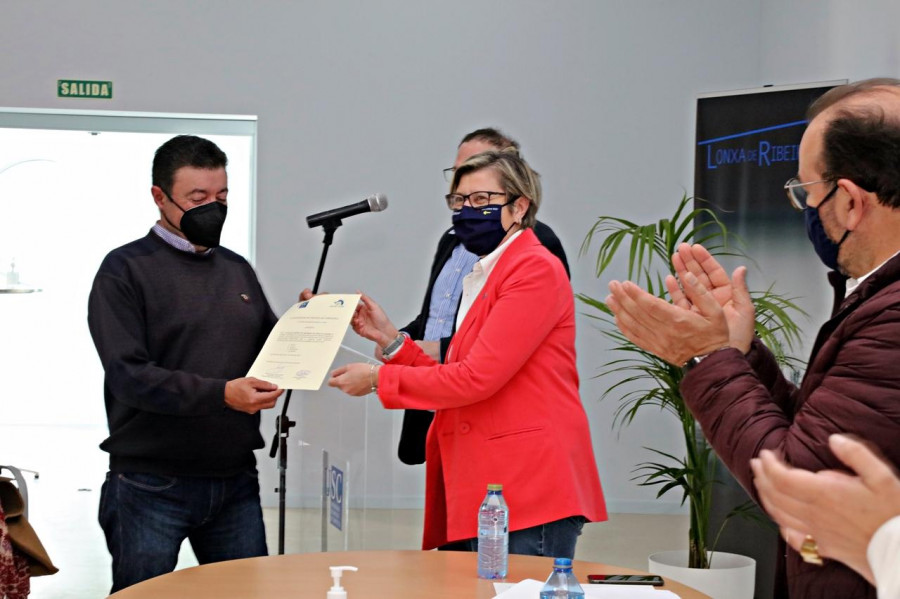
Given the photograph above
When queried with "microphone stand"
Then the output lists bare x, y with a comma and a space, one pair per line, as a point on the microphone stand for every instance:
283, 423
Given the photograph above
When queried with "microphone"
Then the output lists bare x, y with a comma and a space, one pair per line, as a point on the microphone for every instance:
374, 203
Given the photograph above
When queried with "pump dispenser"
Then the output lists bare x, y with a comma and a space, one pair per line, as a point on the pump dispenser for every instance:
337, 591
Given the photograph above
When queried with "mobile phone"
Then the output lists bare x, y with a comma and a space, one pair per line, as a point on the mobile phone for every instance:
650, 579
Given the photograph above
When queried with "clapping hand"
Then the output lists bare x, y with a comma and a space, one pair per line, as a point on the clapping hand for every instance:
731, 294
708, 311
840, 511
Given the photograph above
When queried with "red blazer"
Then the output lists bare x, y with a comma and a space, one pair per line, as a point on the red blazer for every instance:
506, 401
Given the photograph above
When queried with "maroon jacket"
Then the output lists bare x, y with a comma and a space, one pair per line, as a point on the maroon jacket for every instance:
852, 385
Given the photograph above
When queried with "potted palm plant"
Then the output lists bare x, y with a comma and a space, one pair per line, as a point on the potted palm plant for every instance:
643, 381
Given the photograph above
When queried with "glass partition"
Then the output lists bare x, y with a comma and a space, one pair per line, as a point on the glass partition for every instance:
342, 464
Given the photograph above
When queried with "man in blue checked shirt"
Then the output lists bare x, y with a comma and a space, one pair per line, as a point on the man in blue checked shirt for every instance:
435, 324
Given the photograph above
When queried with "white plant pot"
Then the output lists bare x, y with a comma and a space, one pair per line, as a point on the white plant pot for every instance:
731, 576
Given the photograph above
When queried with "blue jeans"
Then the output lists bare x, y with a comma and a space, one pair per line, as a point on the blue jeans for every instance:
145, 518
554, 539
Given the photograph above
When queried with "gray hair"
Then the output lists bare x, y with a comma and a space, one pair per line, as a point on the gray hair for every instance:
841, 93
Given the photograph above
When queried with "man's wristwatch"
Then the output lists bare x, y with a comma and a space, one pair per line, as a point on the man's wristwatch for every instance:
689, 365
393, 347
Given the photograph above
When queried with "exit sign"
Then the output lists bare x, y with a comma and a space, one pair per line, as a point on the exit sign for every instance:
76, 88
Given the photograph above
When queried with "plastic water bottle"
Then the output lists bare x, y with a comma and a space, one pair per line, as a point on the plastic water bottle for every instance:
493, 534
562, 584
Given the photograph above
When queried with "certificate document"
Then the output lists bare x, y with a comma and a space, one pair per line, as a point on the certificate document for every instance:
300, 349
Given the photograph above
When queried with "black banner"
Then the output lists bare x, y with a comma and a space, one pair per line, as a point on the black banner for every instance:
747, 147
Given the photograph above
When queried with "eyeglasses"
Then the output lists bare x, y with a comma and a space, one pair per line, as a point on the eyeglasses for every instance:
797, 194
448, 174
476, 199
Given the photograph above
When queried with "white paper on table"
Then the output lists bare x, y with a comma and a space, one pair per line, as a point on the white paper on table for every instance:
529, 589
300, 349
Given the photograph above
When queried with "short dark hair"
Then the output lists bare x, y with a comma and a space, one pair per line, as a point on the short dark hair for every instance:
862, 144
181, 151
495, 137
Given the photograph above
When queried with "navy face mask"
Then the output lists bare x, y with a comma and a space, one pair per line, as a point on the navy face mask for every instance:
480, 229
826, 249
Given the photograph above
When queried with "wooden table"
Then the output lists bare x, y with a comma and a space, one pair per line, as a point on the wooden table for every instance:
382, 574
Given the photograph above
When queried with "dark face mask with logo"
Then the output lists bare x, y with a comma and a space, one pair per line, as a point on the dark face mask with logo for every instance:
202, 225
826, 249
480, 229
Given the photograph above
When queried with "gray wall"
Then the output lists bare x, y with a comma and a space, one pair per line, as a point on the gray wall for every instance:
805, 41
359, 97
817, 40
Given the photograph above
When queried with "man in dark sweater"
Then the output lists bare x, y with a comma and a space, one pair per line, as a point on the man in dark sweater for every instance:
177, 322
433, 327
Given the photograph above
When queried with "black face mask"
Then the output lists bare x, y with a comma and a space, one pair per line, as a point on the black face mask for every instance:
202, 225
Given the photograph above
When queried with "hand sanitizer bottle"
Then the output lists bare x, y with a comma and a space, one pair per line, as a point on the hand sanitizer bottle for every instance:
337, 591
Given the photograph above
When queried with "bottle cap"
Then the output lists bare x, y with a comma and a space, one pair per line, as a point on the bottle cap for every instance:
562, 562
495, 487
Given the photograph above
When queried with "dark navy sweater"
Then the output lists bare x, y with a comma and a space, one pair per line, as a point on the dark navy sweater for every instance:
171, 328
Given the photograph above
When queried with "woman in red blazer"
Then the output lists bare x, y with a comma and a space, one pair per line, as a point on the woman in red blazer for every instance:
506, 402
